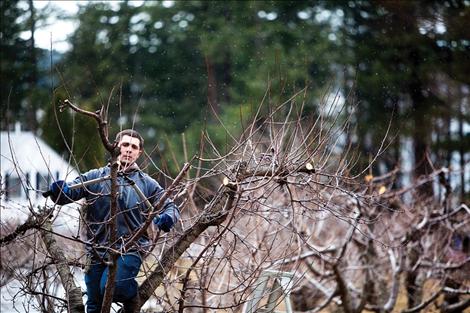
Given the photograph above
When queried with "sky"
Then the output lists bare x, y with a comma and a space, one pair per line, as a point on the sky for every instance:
57, 30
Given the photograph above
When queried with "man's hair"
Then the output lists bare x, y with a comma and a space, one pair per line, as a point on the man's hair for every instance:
131, 133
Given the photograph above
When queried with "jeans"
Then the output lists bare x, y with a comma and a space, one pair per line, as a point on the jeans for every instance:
125, 287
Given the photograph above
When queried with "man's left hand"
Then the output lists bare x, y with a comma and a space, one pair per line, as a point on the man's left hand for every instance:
164, 222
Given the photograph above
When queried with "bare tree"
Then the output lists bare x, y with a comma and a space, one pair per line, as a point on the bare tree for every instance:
282, 198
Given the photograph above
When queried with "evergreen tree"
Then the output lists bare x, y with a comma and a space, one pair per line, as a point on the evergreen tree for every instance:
399, 52
14, 69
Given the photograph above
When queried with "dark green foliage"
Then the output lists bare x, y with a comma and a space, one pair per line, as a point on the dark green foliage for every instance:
14, 65
169, 70
405, 55
172, 67
74, 135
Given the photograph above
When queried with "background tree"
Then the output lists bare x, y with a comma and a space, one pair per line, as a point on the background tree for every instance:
169, 66
401, 53
25, 68
14, 61
192, 58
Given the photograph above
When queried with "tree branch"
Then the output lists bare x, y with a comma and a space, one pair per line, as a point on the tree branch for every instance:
30, 223
98, 117
396, 264
424, 304
456, 307
214, 214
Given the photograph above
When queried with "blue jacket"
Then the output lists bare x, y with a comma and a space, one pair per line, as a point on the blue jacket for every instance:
131, 210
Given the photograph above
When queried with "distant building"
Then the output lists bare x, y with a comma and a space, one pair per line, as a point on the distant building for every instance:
28, 166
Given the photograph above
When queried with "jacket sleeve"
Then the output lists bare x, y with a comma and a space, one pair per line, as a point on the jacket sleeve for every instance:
81, 192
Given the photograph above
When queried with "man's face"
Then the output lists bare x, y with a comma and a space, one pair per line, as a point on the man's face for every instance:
130, 150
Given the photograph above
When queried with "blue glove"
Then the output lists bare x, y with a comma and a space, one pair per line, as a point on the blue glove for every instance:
164, 222
58, 192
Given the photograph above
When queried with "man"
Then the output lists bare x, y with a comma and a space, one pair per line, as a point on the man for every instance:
131, 214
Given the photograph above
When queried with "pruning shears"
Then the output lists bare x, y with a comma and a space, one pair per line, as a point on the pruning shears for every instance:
104, 178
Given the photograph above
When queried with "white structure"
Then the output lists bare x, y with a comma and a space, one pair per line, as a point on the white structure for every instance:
28, 166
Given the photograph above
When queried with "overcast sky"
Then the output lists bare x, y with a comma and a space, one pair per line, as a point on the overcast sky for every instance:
57, 29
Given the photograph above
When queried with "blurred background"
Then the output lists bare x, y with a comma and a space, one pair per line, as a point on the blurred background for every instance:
399, 70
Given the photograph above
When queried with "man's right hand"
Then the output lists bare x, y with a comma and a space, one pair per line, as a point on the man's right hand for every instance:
58, 192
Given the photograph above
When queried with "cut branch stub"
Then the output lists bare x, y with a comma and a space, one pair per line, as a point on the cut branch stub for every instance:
309, 167
229, 184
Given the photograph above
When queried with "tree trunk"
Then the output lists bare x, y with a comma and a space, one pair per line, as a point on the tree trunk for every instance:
211, 85
461, 152
113, 256
413, 284
33, 77
421, 130
73, 292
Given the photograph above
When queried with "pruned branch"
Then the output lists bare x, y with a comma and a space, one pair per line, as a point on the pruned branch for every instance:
100, 118
270, 171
